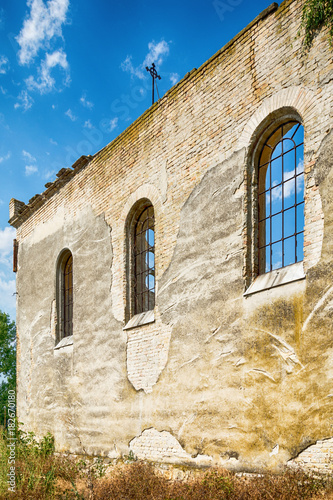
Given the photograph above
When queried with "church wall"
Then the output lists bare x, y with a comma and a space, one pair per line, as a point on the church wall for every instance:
219, 377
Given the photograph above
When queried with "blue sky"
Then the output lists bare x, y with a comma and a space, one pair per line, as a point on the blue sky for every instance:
72, 78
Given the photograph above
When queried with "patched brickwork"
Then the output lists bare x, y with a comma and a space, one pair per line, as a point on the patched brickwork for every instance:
158, 446
317, 457
147, 354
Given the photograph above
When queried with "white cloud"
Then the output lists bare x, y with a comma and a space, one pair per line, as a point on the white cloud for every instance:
88, 124
52, 141
6, 240
1, 202
6, 157
43, 23
28, 156
25, 101
49, 174
127, 66
156, 54
70, 115
2, 18
288, 186
174, 78
3, 123
7, 296
112, 124
85, 103
45, 82
4, 65
30, 169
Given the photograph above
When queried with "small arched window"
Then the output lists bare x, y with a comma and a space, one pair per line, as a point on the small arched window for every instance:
68, 297
143, 287
281, 197
65, 300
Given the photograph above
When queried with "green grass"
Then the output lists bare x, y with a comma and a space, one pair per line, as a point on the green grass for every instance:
43, 474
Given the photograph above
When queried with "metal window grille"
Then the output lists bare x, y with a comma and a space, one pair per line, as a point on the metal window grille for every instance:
144, 262
68, 297
281, 198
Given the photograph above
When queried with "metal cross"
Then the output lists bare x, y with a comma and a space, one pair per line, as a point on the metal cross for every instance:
154, 75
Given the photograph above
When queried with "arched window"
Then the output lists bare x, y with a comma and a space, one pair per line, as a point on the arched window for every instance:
281, 197
65, 295
143, 287
68, 297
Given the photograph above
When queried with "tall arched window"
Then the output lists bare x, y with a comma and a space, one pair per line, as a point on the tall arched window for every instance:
143, 288
65, 300
281, 197
68, 297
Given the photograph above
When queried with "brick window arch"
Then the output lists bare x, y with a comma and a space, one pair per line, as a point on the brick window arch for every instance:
281, 197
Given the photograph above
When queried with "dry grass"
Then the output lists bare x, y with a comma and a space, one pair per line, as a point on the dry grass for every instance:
41, 474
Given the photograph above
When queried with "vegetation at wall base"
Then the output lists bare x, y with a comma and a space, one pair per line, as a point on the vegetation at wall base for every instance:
315, 15
7, 361
43, 474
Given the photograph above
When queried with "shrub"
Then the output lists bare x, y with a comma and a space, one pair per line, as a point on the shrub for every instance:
43, 474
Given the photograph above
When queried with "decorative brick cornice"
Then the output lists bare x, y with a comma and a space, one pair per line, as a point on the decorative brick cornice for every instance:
20, 212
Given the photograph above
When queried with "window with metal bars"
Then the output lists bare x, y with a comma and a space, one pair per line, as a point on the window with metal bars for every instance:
144, 261
68, 297
64, 294
281, 198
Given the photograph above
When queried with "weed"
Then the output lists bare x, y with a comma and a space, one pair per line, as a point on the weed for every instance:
42, 474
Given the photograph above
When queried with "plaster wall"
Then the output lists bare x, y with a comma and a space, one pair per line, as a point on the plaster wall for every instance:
217, 377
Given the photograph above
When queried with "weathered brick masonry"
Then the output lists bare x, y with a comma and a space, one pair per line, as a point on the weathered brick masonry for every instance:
215, 374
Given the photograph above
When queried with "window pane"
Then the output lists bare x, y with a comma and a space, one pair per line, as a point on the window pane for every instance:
277, 227
290, 129
276, 168
289, 222
276, 194
300, 218
289, 251
275, 137
277, 151
150, 282
289, 193
268, 259
267, 177
299, 246
299, 136
289, 161
277, 255
265, 155
150, 260
299, 188
150, 237
300, 159
287, 145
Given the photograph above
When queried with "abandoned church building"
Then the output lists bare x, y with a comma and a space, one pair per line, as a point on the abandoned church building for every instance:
175, 290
